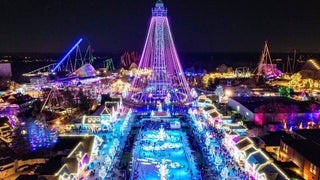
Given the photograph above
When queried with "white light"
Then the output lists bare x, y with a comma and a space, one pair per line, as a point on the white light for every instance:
163, 170
162, 134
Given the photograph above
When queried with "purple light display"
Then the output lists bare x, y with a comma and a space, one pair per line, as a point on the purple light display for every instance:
40, 137
159, 55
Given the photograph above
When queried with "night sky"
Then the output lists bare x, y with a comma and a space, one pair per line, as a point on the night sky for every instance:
197, 26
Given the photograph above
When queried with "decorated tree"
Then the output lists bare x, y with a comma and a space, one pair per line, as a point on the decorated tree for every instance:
220, 92
217, 160
224, 173
295, 81
102, 172
163, 170
205, 80
212, 150
193, 93
284, 91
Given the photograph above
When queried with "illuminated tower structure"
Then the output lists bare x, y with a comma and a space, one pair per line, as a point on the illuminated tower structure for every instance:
160, 76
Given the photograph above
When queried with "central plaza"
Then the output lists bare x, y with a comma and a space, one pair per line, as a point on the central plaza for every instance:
161, 151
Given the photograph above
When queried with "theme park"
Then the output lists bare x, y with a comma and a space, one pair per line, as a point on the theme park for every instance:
84, 118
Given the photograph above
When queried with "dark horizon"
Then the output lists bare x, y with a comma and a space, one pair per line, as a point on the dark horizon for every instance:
199, 52
114, 26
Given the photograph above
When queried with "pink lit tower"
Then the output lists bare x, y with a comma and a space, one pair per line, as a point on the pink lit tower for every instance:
161, 77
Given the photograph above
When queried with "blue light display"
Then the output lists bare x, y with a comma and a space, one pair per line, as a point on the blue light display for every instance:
65, 57
40, 137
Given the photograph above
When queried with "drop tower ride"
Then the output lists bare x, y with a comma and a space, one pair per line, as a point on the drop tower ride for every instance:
160, 76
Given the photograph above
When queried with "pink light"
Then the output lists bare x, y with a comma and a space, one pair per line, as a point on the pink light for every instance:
160, 55
258, 119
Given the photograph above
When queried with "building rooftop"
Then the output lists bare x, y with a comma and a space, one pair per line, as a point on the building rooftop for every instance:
310, 134
100, 110
307, 148
272, 172
67, 142
256, 159
276, 104
273, 138
17, 98
63, 155
214, 114
208, 108
250, 150
244, 143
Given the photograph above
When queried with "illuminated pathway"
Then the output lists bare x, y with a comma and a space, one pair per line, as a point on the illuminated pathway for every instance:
163, 153
109, 148
212, 148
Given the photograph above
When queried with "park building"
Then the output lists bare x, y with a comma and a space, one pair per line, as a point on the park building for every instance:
302, 148
68, 159
283, 110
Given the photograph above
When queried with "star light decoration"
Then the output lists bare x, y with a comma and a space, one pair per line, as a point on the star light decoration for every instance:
163, 170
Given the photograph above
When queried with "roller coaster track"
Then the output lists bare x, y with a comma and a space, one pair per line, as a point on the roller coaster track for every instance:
109, 64
264, 61
72, 60
40, 71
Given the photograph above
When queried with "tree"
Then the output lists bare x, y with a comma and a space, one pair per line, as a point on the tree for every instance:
205, 80
219, 91
284, 91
